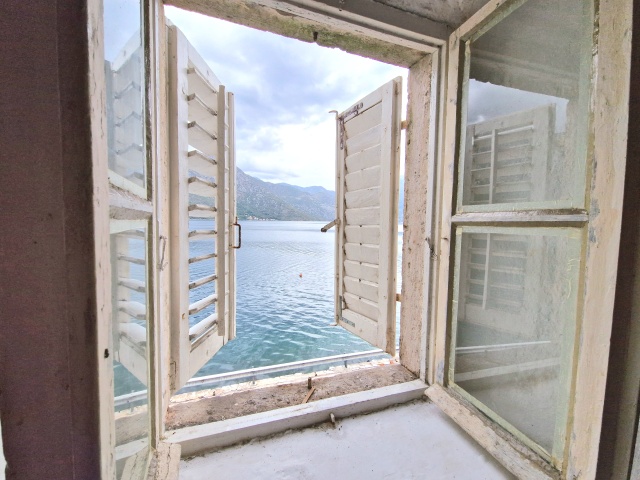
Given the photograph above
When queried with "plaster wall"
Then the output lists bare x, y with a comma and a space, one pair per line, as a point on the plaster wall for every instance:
48, 354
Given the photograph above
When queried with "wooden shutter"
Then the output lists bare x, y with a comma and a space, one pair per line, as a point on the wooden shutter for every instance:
202, 187
368, 151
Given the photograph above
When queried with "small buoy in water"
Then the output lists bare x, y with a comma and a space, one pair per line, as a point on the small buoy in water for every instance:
300, 275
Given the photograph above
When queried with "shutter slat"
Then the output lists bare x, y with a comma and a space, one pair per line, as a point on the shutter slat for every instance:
200, 305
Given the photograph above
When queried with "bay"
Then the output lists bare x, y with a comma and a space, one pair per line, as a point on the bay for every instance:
284, 298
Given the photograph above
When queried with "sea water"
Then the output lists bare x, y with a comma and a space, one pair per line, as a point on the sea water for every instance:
284, 295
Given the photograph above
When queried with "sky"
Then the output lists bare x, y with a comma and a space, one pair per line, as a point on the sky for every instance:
284, 90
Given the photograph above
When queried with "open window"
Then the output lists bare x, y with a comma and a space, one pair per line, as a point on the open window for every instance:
367, 177
203, 206
202, 209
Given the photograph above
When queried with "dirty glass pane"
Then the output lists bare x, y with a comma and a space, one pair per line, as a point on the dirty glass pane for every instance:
515, 321
124, 73
130, 306
525, 110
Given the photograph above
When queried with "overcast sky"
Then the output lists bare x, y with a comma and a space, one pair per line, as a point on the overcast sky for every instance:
283, 90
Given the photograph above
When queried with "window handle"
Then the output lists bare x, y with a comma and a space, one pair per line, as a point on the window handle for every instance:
236, 224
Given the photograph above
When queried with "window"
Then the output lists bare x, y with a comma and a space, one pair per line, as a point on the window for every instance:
516, 233
525, 218
202, 243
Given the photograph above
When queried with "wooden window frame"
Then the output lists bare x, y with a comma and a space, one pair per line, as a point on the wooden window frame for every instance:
132, 203
601, 222
426, 286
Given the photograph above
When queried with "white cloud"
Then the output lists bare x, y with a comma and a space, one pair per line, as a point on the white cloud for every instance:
283, 90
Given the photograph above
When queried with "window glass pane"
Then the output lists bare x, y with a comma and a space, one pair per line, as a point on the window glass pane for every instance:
130, 305
525, 114
124, 72
514, 329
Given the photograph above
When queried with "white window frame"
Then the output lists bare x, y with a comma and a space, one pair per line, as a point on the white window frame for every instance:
601, 222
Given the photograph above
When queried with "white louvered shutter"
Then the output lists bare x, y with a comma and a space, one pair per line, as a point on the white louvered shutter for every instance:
202, 198
368, 152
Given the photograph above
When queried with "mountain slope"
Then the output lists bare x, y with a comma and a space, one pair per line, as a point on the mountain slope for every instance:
281, 201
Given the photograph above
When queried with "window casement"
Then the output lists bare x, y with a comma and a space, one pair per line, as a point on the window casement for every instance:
512, 336
133, 232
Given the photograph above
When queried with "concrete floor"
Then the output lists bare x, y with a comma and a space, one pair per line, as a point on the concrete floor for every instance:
411, 441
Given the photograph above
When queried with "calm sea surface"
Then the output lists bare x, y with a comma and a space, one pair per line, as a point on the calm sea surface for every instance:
284, 297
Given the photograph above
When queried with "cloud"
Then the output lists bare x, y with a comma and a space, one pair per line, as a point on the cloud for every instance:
283, 89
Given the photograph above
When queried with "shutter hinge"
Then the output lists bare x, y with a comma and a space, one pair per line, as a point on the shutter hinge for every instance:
352, 112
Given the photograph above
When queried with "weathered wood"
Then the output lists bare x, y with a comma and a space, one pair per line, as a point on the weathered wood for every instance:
201, 138
362, 179
362, 325
415, 252
200, 162
178, 113
202, 326
308, 396
165, 462
610, 129
362, 306
363, 216
364, 140
201, 211
202, 281
362, 253
362, 234
369, 197
361, 288
200, 305
363, 159
365, 271
201, 119
522, 463
202, 234
361, 123
331, 28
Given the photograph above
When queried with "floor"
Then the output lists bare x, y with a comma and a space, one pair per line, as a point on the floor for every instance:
411, 441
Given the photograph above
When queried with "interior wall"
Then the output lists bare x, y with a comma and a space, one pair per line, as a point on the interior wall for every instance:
48, 380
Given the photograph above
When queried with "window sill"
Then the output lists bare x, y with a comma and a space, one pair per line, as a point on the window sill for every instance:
199, 439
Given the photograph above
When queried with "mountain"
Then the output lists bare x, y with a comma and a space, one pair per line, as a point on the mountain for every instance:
280, 201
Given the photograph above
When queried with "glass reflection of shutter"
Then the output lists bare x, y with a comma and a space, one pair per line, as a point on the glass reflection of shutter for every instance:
506, 154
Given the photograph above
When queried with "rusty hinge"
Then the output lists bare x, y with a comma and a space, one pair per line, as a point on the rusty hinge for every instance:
352, 112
